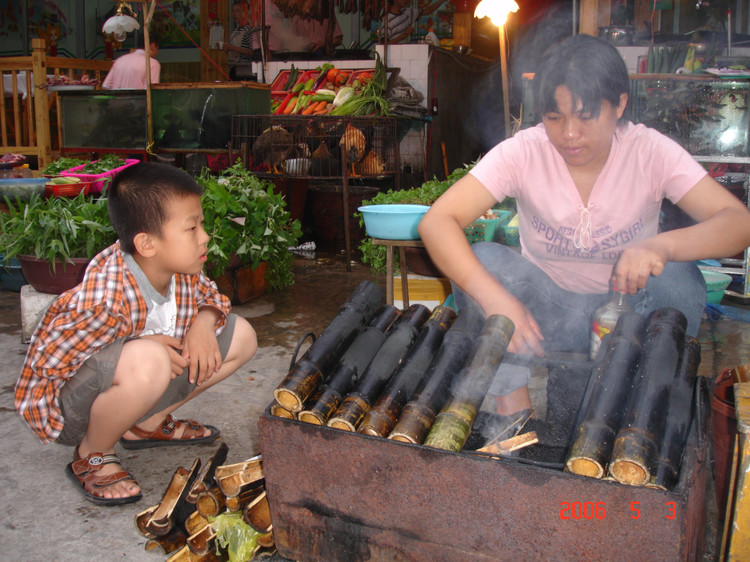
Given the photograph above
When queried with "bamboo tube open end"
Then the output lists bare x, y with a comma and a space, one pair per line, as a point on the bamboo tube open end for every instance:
288, 399
585, 467
309, 417
403, 438
369, 431
280, 412
629, 472
339, 423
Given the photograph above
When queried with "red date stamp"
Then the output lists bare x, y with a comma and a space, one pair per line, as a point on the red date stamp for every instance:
598, 510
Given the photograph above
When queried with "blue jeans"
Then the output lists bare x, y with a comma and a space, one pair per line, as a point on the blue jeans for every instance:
565, 317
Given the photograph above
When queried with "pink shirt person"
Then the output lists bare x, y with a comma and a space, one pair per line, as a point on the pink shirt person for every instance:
129, 71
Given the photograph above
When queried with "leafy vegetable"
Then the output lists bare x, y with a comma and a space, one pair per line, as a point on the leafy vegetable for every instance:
371, 100
57, 166
246, 220
104, 164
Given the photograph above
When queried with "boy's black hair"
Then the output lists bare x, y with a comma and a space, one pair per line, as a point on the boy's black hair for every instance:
591, 69
138, 196
153, 39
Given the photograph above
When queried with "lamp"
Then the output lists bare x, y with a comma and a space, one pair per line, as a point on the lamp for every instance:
122, 23
498, 12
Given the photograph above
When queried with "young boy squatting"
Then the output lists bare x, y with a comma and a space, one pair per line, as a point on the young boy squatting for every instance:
144, 332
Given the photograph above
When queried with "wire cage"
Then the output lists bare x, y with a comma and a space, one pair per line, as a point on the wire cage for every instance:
316, 146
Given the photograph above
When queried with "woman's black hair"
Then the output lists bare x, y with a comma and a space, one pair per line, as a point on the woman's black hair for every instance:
589, 67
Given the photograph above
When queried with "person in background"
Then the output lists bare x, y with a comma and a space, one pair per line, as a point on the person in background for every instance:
401, 19
588, 185
128, 72
239, 48
143, 333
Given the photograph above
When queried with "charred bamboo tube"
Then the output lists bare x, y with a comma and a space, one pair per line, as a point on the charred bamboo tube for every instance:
142, 518
238, 502
453, 424
607, 391
433, 390
210, 503
642, 430
320, 357
382, 417
161, 520
266, 540
280, 412
353, 362
257, 514
667, 466
186, 555
202, 541
195, 523
233, 478
169, 543
207, 481
381, 368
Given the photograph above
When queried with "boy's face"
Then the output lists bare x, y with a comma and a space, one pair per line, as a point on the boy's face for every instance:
183, 244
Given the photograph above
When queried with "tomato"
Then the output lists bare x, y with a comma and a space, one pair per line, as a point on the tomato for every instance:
331, 76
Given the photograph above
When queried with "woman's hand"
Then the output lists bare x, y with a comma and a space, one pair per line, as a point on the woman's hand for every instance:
636, 265
174, 347
527, 336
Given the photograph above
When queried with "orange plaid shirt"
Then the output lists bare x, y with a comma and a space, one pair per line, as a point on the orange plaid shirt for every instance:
106, 306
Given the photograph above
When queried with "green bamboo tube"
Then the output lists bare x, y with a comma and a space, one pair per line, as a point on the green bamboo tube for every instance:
637, 443
606, 394
382, 417
453, 424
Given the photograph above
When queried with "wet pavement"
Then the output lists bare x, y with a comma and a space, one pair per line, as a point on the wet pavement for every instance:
45, 517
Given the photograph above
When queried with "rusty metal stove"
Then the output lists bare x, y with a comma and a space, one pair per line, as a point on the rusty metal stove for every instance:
336, 495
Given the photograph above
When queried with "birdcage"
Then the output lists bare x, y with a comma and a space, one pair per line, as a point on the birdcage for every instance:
317, 146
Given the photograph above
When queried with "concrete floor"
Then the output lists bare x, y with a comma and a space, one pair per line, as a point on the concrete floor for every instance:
46, 518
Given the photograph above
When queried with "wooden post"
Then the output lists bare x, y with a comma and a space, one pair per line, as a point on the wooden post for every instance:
594, 14
504, 73
41, 108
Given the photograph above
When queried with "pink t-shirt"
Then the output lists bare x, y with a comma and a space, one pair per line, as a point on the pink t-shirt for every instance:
576, 245
128, 72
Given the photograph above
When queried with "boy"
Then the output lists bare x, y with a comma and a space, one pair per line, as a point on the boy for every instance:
143, 333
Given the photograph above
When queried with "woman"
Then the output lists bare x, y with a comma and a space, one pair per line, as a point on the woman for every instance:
239, 48
588, 185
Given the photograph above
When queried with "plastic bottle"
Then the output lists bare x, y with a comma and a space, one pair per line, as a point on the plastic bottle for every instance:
605, 318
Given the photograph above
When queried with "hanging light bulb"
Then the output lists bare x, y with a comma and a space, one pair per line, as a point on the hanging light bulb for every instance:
122, 23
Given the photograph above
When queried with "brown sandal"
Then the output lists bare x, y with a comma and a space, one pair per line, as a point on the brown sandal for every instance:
84, 473
164, 435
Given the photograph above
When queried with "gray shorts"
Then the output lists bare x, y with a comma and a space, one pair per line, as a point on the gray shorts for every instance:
95, 376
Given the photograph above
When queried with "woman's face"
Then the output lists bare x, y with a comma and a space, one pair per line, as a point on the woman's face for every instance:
582, 140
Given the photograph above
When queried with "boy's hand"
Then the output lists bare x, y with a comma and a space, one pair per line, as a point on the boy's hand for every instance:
200, 348
174, 347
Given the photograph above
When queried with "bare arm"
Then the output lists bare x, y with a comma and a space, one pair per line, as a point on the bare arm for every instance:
442, 232
723, 229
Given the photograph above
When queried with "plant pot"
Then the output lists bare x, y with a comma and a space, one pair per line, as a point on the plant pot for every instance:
243, 283
418, 261
40, 275
11, 277
328, 217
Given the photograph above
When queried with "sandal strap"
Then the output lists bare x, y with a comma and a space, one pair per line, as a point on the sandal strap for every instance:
166, 430
87, 469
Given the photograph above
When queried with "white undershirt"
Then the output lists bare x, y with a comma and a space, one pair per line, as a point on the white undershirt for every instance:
162, 309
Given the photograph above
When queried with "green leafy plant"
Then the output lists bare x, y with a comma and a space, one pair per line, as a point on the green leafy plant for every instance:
56, 228
247, 222
57, 166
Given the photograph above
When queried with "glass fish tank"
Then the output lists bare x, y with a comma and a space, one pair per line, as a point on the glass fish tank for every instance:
184, 116
706, 115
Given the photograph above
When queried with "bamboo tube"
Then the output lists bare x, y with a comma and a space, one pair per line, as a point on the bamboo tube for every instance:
382, 417
194, 523
186, 555
266, 540
202, 541
320, 357
210, 502
353, 362
236, 503
395, 347
432, 391
257, 514
607, 391
637, 441
232, 479
142, 518
162, 518
280, 412
169, 543
207, 481
453, 424
667, 466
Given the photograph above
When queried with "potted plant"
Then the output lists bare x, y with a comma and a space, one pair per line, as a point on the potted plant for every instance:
249, 226
54, 238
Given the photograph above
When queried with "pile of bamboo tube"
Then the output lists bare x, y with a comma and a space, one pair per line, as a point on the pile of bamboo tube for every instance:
410, 375
638, 405
179, 525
